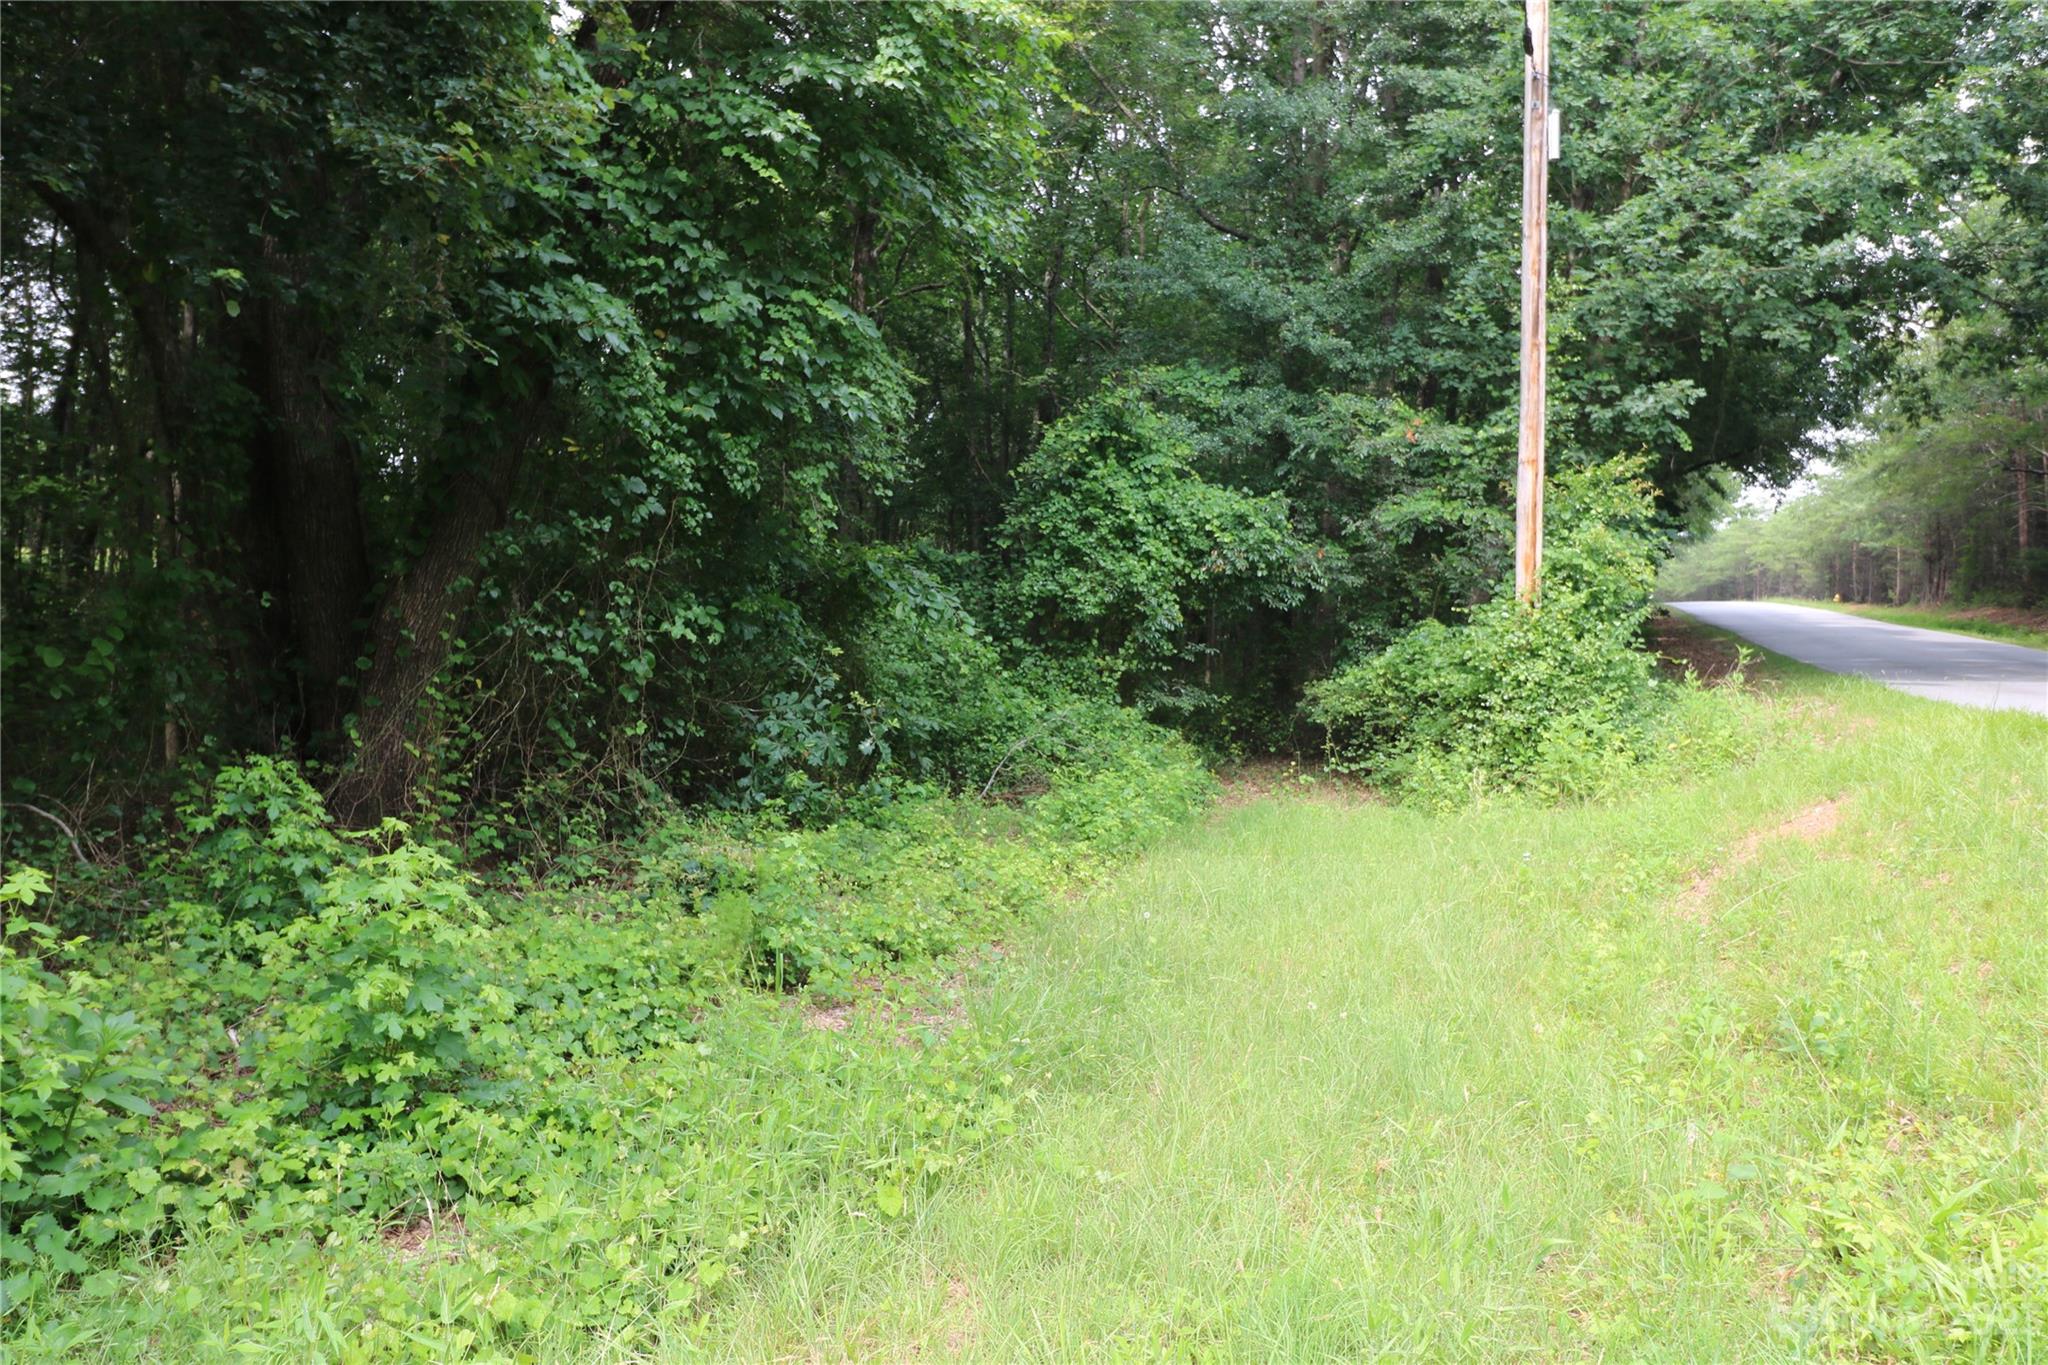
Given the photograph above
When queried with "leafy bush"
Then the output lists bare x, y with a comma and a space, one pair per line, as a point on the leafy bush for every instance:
1516, 698
828, 906
921, 695
1129, 796
949, 705
921, 874
264, 843
1557, 699
808, 744
387, 1000
73, 1076
1118, 541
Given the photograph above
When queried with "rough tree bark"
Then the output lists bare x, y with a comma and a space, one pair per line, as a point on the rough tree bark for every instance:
304, 462
2026, 529
416, 623
1048, 401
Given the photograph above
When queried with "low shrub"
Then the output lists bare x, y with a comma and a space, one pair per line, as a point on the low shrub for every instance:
261, 843
1557, 699
1550, 697
920, 873
919, 694
75, 1078
948, 705
387, 1002
1108, 808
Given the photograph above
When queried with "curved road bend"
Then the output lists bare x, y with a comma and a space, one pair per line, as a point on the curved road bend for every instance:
1927, 663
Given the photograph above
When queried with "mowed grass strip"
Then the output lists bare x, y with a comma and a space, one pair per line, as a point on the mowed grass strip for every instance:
1752, 1068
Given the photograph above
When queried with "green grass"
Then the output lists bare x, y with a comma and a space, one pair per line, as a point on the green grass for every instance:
1957, 619
1748, 1068
1329, 1081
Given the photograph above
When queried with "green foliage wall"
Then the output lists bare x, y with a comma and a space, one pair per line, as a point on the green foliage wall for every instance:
476, 401
1119, 550
508, 410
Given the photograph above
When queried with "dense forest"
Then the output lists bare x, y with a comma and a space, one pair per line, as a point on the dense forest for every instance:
534, 531
491, 406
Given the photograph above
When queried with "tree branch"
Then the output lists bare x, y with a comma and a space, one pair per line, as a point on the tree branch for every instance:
1178, 189
68, 834
879, 304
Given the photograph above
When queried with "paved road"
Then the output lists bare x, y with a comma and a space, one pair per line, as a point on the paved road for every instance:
1927, 663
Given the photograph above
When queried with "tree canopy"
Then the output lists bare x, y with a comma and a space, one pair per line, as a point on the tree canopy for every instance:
485, 401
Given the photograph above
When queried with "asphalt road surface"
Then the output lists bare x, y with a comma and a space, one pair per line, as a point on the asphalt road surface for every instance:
1927, 663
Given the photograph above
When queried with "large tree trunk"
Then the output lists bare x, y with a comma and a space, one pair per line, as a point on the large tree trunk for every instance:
971, 397
1007, 459
415, 627
864, 253
1048, 352
302, 551
2026, 530
303, 466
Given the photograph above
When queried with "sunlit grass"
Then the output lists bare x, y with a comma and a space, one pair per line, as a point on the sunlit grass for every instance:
1750, 1067
1332, 1080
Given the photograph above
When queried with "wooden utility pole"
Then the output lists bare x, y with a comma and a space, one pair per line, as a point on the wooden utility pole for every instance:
1536, 136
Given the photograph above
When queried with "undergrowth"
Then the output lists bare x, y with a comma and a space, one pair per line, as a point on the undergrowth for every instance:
319, 1049
1554, 700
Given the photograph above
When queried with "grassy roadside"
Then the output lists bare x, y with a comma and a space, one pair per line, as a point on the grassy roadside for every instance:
1991, 623
1747, 1069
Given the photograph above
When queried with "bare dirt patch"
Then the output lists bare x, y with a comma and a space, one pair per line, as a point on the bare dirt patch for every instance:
1265, 779
835, 1018
1681, 647
1809, 826
964, 1308
430, 1235
1816, 821
913, 1021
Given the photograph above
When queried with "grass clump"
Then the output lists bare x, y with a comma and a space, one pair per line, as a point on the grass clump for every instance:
1924, 1239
